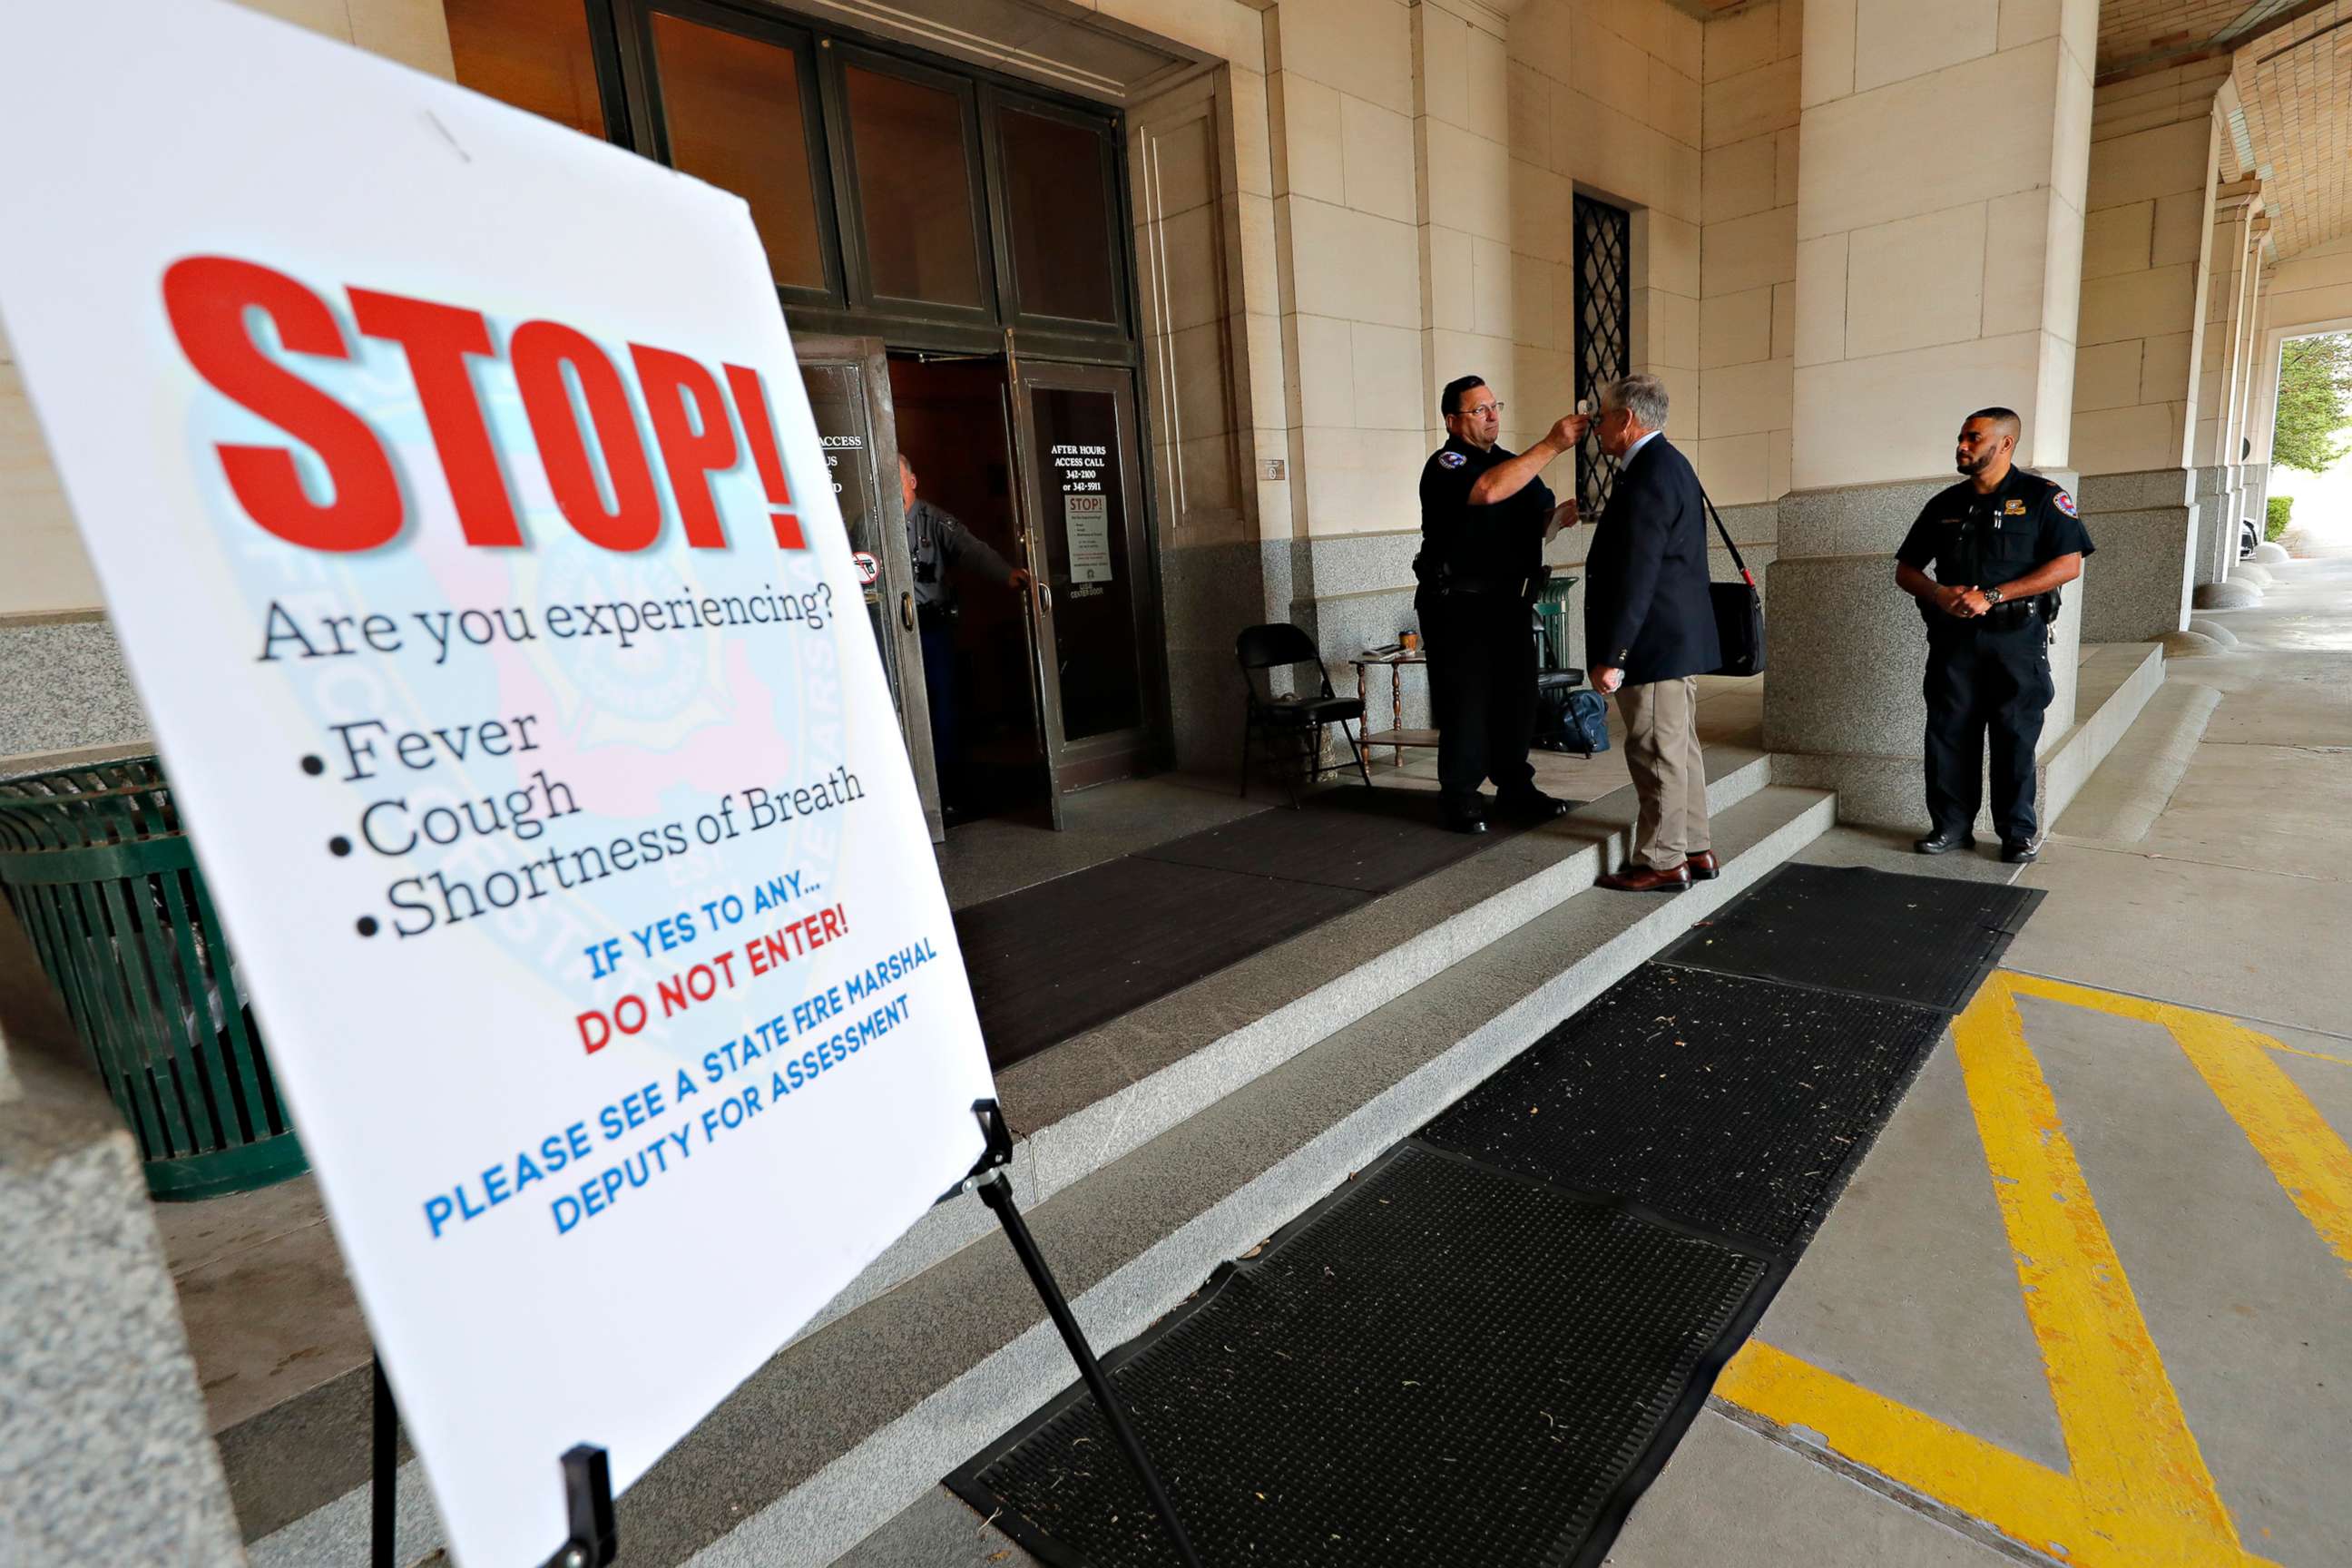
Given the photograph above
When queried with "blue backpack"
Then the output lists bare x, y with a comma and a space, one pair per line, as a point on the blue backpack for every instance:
1571, 719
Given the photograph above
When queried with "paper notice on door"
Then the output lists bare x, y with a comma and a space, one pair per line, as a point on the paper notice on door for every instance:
1089, 519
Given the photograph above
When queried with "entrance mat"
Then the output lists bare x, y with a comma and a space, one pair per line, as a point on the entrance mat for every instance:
1927, 940
1734, 1105
1059, 958
1439, 1365
1372, 840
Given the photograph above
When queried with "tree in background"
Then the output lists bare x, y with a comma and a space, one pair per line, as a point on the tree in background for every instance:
2315, 403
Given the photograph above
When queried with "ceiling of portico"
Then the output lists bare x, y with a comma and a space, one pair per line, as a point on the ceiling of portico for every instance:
2293, 125
2139, 37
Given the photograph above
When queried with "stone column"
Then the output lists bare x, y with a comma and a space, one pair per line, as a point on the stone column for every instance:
2254, 468
1928, 285
2144, 234
2262, 407
2212, 446
103, 1440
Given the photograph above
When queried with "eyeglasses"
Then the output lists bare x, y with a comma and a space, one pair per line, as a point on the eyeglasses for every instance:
1482, 409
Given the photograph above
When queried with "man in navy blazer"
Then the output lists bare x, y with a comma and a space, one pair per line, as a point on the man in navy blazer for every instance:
1650, 633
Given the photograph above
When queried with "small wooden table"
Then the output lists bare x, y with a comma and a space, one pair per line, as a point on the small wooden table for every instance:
1396, 736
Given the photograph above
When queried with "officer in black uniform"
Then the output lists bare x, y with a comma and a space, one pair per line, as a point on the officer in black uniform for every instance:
2002, 542
1484, 516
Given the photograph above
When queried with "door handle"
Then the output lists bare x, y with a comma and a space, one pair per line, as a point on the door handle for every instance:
907, 611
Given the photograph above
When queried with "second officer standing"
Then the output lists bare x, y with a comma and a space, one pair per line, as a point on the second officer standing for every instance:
1484, 515
2002, 542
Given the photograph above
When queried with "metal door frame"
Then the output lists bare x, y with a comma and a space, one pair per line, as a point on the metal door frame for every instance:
870, 359
1119, 753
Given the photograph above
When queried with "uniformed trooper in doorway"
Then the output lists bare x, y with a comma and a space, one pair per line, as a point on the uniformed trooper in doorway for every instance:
936, 546
1484, 516
2002, 542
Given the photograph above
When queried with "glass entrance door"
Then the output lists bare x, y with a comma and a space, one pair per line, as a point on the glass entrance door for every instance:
848, 383
1096, 603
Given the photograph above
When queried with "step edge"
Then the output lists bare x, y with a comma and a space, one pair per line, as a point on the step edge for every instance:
1236, 1059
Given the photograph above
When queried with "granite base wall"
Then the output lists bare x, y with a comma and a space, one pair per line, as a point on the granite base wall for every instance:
105, 1452
2217, 503
1208, 594
2256, 489
67, 689
2138, 583
1846, 651
1354, 591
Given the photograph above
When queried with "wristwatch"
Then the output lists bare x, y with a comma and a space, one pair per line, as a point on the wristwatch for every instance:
1992, 595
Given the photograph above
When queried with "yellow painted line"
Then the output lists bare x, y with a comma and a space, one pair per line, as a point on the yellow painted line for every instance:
2300, 1051
2031, 1503
2144, 1009
2309, 1161
2142, 1476
2137, 1492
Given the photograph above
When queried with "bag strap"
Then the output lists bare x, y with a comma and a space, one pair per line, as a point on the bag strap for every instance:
1745, 575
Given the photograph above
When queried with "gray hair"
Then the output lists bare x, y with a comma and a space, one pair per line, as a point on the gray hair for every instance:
1644, 395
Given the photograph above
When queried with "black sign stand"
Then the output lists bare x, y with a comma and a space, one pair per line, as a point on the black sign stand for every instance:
587, 1476
990, 1178
587, 1494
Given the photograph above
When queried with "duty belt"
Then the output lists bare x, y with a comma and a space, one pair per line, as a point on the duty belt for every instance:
1506, 587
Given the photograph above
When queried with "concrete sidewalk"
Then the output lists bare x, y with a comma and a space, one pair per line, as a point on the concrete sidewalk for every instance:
1951, 1376
2086, 1301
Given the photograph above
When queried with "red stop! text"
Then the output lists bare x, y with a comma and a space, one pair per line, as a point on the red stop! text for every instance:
575, 397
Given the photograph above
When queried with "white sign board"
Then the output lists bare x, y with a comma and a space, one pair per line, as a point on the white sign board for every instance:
459, 509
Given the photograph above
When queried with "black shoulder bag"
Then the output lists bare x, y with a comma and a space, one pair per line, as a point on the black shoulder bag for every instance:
1739, 610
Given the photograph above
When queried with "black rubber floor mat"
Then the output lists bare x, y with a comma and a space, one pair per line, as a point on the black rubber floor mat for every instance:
1735, 1105
1058, 959
1928, 940
1372, 840
1439, 1366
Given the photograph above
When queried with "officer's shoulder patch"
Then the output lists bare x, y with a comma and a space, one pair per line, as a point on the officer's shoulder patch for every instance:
1451, 459
2064, 502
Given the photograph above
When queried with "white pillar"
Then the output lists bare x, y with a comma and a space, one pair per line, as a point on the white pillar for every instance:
2144, 254
2213, 446
1930, 281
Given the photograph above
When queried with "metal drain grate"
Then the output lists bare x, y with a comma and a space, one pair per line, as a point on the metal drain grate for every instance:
1926, 940
1734, 1105
1439, 1365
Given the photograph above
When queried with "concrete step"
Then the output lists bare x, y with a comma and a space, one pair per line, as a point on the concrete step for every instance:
2122, 800
2113, 682
2117, 681
860, 1417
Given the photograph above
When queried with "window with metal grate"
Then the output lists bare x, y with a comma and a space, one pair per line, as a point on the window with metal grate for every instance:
1604, 329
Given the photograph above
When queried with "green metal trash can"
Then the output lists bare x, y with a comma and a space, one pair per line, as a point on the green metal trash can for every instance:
1551, 613
102, 879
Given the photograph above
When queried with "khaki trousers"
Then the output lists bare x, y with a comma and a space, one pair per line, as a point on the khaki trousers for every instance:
1669, 775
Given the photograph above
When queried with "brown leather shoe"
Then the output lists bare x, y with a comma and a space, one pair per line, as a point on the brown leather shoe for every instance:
1642, 880
1703, 866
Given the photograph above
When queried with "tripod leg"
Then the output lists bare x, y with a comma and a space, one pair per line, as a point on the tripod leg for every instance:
385, 1473
996, 1192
